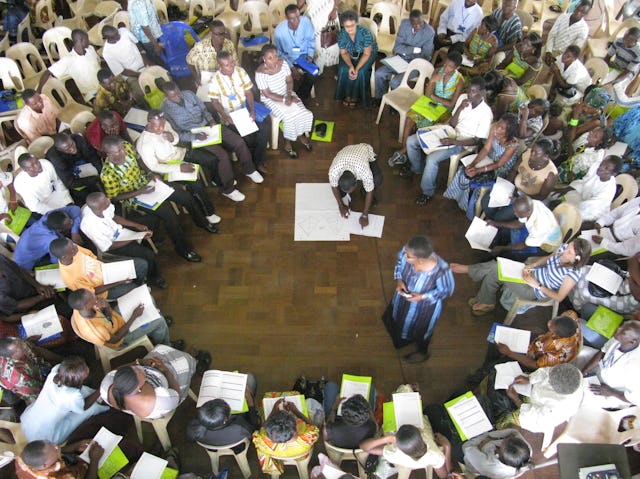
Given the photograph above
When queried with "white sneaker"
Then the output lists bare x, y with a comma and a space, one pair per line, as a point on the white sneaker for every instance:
214, 219
346, 200
235, 195
256, 177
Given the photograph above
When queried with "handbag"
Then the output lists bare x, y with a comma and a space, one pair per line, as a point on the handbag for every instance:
370, 465
329, 35
598, 292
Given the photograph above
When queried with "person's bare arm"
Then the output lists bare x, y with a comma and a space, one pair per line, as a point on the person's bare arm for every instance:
592, 363
122, 332
523, 359
375, 446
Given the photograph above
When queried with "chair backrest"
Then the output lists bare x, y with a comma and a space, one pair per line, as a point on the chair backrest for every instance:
10, 74
526, 19
39, 146
276, 7
4, 43
44, 14
54, 44
95, 33
75, 22
624, 26
122, 17
536, 91
569, 220
105, 8
19, 441
161, 9
424, 69
80, 121
24, 27
628, 189
256, 19
199, 8
598, 69
28, 59
57, 92
389, 17
147, 78
370, 25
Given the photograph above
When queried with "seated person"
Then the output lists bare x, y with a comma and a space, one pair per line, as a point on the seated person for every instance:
230, 89
185, 111
626, 130
23, 367
470, 123
104, 228
124, 179
444, 88
586, 115
497, 454
72, 157
94, 321
480, 47
509, 25
586, 150
413, 448
63, 404
522, 61
44, 459
503, 93
203, 56
593, 194
456, 23
570, 77
285, 433
39, 185
626, 300
114, 94
153, 386
38, 117
532, 117
548, 277
626, 54
556, 395
160, 155
214, 425
79, 268
613, 365
533, 231
123, 58
414, 39
624, 222
33, 247
355, 423
107, 123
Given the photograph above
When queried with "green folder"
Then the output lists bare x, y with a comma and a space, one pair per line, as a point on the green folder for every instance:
453, 402
604, 321
516, 70
388, 417
169, 473
116, 461
19, 219
509, 279
429, 108
356, 379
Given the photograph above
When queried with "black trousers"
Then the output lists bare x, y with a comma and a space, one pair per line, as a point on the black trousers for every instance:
171, 223
257, 141
303, 85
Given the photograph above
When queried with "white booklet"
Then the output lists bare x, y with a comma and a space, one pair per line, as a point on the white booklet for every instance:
352, 385
618, 148
118, 271
408, 409
506, 373
178, 175
87, 170
243, 122
501, 193
431, 139
137, 117
148, 467
466, 161
214, 136
298, 400
396, 63
50, 277
480, 235
127, 234
107, 440
517, 339
468, 416
44, 323
595, 247
510, 270
134, 298
223, 385
604, 277
153, 200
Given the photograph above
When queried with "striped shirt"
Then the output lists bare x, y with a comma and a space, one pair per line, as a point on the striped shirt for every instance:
562, 34
356, 159
552, 274
509, 30
230, 91
625, 58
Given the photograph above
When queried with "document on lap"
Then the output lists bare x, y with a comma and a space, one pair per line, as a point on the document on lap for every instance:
118, 271
134, 298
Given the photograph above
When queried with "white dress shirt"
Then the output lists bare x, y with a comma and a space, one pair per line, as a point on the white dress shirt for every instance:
591, 196
473, 122
103, 232
156, 151
625, 223
460, 20
44, 192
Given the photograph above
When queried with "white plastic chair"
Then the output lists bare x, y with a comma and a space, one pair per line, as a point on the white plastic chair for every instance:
525, 19
231, 20
597, 47
4, 43
390, 15
58, 94
256, 15
520, 302
19, 441
10, 74
161, 9
106, 8
275, 132
80, 121
276, 8
241, 457
53, 42
301, 462
536, 91
569, 220
339, 454
593, 425
95, 33
40, 146
629, 189
44, 14
201, 8
25, 27
148, 76
122, 17
373, 28
597, 68
455, 160
404, 96
74, 22
29, 61
106, 354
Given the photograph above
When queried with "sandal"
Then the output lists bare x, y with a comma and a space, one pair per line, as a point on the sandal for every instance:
347, 102
482, 309
422, 200
397, 159
307, 146
471, 301
291, 153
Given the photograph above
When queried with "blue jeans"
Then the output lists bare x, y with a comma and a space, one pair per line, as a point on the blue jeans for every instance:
430, 170
331, 391
384, 74
157, 331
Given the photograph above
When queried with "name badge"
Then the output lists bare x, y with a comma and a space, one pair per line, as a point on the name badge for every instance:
233, 97
461, 28
295, 49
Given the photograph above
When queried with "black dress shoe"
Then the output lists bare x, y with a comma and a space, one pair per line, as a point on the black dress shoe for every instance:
178, 344
192, 256
159, 282
168, 320
211, 228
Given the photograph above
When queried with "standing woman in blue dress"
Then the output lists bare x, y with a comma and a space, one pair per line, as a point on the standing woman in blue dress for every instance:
357, 53
423, 281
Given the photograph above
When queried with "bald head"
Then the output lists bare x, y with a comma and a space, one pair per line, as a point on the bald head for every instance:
523, 207
628, 335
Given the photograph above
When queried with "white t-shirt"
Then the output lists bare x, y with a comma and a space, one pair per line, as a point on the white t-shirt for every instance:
44, 192
103, 232
82, 68
123, 54
473, 122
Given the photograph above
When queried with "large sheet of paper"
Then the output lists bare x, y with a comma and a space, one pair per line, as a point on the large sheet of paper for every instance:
107, 440
136, 117
595, 247
506, 373
468, 416
153, 200
373, 229
501, 193
298, 400
618, 149
50, 277
396, 63
148, 467
480, 235
44, 323
178, 175
317, 217
214, 136
118, 271
510, 271
517, 339
408, 409
466, 161
87, 170
243, 122
431, 139
604, 277
126, 235
134, 298
223, 385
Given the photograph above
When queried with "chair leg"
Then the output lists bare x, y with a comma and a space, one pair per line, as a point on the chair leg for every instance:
275, 132
243, 463
163, 435
380, 110
192, 395
138, 423
215, 462
303, 469
403, 472
513, 312
403, 117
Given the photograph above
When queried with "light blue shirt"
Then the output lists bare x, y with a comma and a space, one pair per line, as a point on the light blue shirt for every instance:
408, 40
142, 13
291, 44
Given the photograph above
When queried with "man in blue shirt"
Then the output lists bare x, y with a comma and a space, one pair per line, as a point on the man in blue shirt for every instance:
414, 40
34, 242
295, 37
145, 25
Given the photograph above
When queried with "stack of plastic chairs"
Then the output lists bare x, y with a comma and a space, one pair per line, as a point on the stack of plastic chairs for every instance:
176, 47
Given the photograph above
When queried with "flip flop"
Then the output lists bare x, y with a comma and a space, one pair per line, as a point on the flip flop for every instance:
482, 310
397, 159
471, 301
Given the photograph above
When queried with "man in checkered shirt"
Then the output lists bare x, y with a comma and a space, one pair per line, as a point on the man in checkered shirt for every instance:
353, 163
